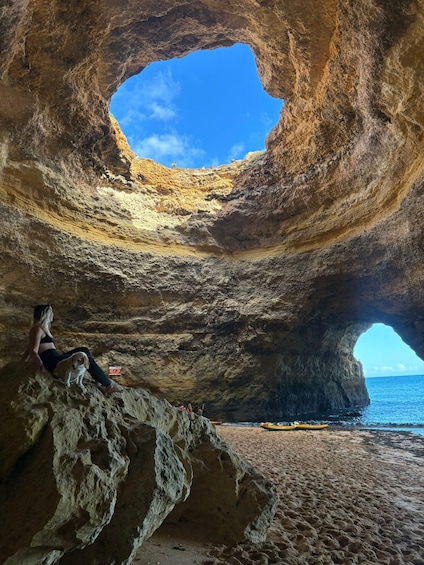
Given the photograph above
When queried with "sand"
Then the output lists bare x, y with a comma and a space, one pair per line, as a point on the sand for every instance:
346, 497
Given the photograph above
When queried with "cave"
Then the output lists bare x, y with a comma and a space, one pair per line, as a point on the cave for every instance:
244, 287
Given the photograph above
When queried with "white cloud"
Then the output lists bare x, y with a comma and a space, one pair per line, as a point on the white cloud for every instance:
156, 146
395, 369
131, 116
170, 145
142, 99
161, 86
236, 151
148, 105
384, 369
159, 112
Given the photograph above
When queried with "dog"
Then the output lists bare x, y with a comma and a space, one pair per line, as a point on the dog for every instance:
72, 369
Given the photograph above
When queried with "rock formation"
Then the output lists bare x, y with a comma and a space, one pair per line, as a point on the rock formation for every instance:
244, 287
86, 478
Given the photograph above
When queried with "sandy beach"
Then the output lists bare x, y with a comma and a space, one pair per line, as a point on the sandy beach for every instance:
346, 497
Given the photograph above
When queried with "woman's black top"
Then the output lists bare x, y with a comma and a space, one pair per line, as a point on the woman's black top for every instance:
47, 339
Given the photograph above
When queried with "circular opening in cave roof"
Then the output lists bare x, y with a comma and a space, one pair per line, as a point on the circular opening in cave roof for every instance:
203, 110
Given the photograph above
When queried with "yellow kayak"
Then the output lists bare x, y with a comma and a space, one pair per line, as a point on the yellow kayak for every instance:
281, 427
311, 426
294, 426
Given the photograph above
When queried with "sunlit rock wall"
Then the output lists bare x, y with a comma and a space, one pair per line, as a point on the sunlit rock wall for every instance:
243, 287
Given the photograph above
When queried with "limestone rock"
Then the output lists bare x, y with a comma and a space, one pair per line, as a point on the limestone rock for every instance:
87, 478
244, 287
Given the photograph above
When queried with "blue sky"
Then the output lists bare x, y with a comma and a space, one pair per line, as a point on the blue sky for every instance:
206, 109
201, 110
383, 354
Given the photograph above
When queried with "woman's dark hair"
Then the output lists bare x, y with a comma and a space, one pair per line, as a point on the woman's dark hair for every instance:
42, 317
39, 310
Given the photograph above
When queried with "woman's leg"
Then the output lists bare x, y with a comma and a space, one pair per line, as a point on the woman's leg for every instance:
51, 358
94, 370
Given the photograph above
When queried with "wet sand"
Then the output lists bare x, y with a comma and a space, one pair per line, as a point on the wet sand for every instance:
346, 497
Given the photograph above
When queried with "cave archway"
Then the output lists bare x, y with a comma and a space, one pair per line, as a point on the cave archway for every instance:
382, 352
202, 110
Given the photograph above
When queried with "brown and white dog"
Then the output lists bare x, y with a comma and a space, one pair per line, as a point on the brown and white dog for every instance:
72, 369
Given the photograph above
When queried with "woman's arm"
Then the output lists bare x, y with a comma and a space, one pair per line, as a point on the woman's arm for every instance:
31, 352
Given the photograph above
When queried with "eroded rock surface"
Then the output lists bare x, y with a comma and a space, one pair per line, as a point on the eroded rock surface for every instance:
244, 287
86, 478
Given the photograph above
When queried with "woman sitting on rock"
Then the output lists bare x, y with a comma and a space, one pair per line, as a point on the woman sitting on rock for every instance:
42, 351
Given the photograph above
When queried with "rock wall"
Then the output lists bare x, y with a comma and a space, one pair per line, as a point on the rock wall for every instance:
244, 287
86, 478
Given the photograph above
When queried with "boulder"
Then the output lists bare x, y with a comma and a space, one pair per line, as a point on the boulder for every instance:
86, 478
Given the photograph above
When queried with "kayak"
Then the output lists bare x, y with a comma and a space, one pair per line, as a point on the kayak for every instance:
311, 426
216, 422
281, 427
293, 426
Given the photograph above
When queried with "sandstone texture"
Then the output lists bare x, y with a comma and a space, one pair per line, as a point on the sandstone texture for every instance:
86, 478
244, 287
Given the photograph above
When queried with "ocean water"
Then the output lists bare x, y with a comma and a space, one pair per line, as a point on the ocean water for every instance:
397, 403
